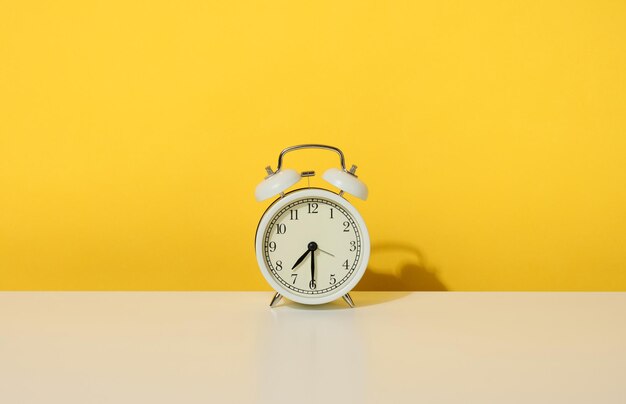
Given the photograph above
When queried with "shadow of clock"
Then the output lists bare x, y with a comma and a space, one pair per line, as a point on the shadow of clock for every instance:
399, 266
393, 267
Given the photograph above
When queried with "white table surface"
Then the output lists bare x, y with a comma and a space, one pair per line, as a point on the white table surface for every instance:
218, 347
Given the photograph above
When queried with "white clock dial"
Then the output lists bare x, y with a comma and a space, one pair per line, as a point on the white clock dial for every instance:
312, 245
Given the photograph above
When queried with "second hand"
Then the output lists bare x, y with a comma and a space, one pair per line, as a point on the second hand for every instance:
325, 252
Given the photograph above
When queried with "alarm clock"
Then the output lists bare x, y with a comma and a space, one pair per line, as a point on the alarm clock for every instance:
311, 244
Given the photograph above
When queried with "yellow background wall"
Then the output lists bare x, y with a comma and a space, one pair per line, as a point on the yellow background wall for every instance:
492, 136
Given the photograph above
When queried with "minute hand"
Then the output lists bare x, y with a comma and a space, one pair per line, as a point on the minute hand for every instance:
300, 259
312, 266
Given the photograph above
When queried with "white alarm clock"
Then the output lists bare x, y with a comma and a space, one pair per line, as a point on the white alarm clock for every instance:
311, 244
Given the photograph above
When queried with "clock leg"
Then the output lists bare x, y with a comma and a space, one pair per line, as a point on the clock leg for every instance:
348, 300
275, 299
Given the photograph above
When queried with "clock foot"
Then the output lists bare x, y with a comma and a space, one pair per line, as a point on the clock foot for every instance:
275, 299
348, 300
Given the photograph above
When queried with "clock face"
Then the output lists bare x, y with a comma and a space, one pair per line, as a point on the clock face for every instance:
314, 245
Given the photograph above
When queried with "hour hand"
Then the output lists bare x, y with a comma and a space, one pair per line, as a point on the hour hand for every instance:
300, 259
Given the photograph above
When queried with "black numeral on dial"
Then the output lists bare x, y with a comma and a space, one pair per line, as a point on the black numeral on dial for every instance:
313, 207
281, 228
346, 226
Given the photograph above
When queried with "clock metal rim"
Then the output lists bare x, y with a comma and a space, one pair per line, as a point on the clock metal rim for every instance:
275, 207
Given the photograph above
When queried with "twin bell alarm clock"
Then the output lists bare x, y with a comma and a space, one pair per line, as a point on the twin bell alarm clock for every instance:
312, 245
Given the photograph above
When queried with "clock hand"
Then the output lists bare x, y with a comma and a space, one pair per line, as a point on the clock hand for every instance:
300, 259
310, 248
312, 265
326, 252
